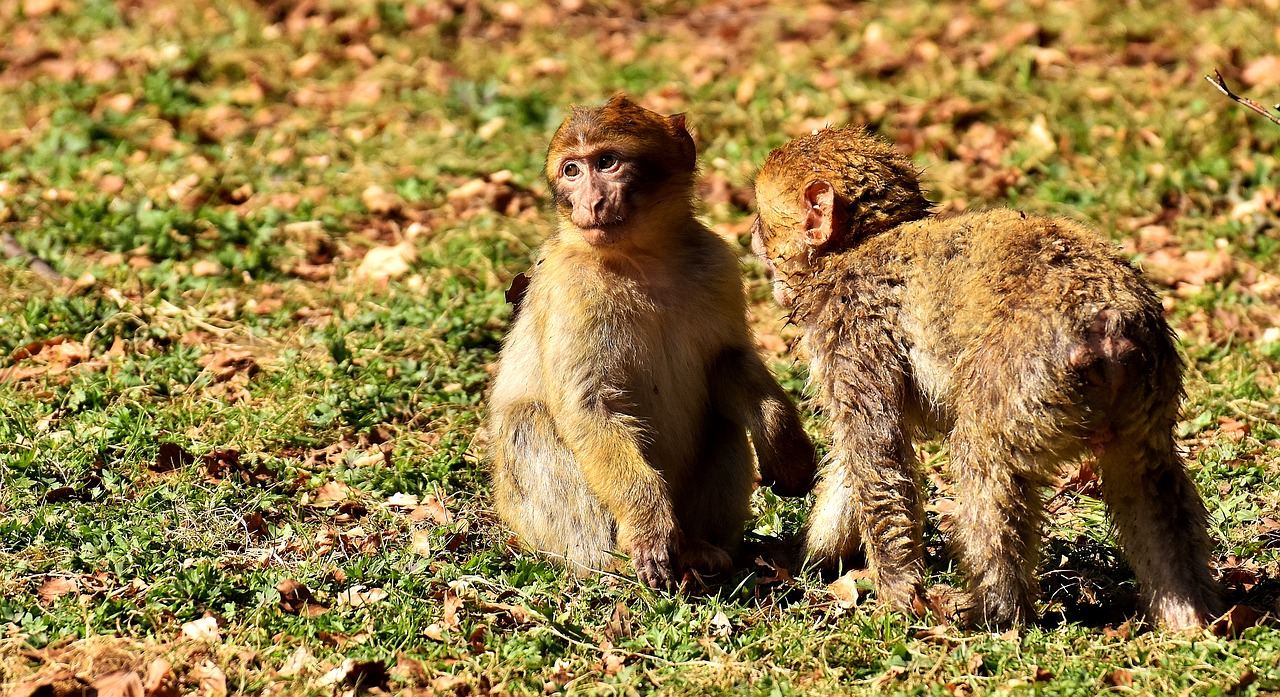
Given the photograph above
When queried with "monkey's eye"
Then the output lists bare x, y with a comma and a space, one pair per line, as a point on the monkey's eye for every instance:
571, 170
607, 162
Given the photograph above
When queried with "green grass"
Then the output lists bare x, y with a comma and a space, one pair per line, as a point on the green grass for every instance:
204, 170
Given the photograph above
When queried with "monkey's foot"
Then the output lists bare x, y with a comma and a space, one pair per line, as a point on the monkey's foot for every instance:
705, 557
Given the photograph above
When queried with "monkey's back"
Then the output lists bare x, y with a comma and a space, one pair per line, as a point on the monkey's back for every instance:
992, 297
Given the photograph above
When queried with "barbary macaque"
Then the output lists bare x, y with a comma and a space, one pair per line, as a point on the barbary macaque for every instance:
1026, 340
629, 381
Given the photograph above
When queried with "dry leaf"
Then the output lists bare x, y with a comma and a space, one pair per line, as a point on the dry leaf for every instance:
207, 267
520, 614
845, 588
721, 626
400, 500
1119, 677
1169, 266
384, 263
212, 681
380, 201
331, 494
420, 543
297, 662
360, 596
360, 675
452, 603
62, 683
619, 626
160, 681
296, 598
1235, 621
1264, 72
432, 509
171, 457
54, 588
226, 363
476, 639
204, 629
121, 683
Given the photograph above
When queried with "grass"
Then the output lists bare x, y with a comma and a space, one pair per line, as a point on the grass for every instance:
234, 405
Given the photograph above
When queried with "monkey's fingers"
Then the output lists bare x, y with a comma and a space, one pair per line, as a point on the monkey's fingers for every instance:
654, 569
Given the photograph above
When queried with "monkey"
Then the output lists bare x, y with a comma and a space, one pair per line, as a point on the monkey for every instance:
1026, 340
628, 383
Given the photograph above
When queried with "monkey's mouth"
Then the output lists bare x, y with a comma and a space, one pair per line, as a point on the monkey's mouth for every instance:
603, 233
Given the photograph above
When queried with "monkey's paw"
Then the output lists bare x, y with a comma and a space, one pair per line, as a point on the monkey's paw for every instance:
795, 476
654, 568
705, 557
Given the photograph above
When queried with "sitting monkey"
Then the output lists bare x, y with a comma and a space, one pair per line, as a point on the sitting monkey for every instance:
629, 380
1025, 339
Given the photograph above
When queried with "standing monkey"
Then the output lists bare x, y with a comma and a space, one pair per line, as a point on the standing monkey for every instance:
1025, 339
629, 381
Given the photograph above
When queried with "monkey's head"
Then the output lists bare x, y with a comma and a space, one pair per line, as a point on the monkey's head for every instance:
620, 168
821, 193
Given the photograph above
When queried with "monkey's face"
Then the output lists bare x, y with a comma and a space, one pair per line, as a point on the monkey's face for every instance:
782, 292
596, 191
620, 169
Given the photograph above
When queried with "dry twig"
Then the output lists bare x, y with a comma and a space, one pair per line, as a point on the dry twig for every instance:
1218, 81
9, 247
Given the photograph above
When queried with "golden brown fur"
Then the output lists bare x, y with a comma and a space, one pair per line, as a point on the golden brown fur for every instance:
628, 383
1025, 339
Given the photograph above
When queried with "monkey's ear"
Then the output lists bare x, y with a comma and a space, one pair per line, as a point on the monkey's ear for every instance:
820, 212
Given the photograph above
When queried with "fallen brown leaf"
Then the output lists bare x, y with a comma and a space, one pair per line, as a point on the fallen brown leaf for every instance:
432, 509
171, 457
331, 494
121, 683
619, 626
420, 543
452, 603
520, 614
160, 681
226, 363
845, 588
54, 588
296, 598
1235, 621
212, 681
360, 596
1120, 677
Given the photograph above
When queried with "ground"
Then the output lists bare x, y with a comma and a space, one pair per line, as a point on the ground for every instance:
239, 449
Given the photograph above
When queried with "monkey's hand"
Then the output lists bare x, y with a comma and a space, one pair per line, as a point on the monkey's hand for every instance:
747, 394
653, 557
705, 557
789, 464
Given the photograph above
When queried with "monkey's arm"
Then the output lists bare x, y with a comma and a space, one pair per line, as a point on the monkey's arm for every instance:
606, 441
745, 392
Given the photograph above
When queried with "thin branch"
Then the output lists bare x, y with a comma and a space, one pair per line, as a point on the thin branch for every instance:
1221, 84
9, 247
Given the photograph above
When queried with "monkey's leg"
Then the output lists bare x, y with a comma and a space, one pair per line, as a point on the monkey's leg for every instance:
997, 525
714, 502
881, 499
540, 491
1160, 519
